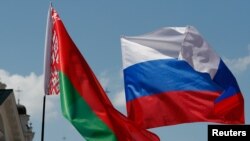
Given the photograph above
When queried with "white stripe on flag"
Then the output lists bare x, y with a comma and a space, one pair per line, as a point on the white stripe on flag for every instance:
182, 43
164, 43
197, 52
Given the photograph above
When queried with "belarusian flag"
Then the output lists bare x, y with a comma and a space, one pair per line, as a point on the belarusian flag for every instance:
83, 100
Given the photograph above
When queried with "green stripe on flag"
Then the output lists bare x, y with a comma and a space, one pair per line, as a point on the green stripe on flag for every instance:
78, 112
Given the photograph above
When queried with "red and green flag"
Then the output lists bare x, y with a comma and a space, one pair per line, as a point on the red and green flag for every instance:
83, 101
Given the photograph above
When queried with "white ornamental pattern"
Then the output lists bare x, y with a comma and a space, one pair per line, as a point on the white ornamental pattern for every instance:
54, 85
54, 64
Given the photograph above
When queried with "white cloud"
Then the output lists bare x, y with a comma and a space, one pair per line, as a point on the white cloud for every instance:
119, 99
104, 80
238, 65
115, 92
117, 95
119, 102
29, 89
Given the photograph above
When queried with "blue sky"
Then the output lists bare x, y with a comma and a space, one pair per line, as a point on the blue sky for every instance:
96, 28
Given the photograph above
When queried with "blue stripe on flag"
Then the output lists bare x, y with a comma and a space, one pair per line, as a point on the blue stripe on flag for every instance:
227, 81
160, 76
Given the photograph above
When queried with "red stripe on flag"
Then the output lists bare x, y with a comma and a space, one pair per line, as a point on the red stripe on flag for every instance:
175, 108
232, 108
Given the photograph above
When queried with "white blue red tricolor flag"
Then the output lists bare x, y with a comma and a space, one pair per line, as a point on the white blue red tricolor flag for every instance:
172, 76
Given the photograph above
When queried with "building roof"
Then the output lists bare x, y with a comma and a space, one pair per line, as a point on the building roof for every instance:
21, 109
4, 93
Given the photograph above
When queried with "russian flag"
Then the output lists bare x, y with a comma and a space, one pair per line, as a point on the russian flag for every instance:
172, 76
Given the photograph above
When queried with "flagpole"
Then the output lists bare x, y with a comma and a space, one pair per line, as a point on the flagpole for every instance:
43, 117
46, 65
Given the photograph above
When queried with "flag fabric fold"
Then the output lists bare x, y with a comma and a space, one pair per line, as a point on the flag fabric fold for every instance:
83, 100
172, 76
